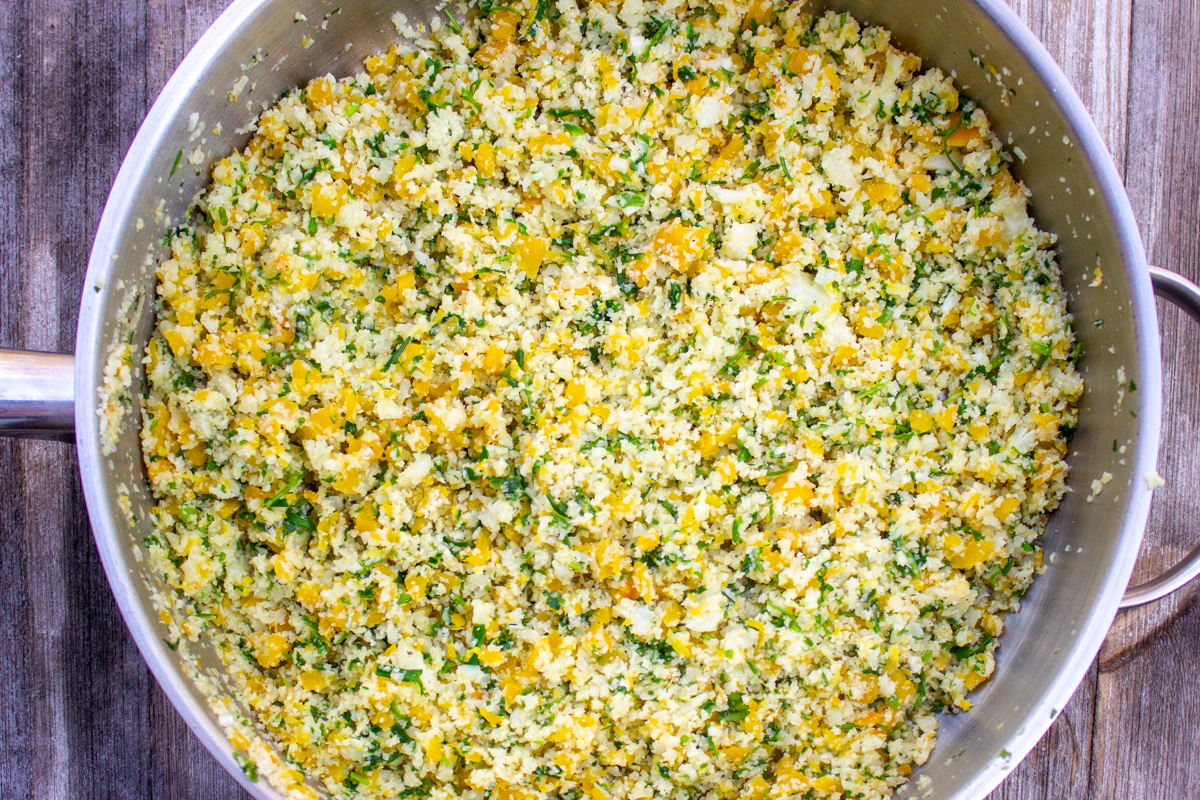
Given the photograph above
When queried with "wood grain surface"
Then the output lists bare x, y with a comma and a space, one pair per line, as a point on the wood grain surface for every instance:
80, 715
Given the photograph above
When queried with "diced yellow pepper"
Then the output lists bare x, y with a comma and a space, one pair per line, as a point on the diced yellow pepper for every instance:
869, 327
759, 12
273, 127
319, 93
212, 353
735, 754
575, 394
827, 784
726, 469
313, 680
681, 244
304, 377
963, 137
965, 555
485, 159
504, 25
543, 142
272, 650
803, 61
680, 644
176, 342
1006, 507
321, 422
790, 488
530, 252
377, 64
365, 521
845, 354
882, 193
920, 421
309, 594
973, 679
328, 198
493, 359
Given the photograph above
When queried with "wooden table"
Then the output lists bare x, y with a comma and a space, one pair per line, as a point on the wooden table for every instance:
80, 715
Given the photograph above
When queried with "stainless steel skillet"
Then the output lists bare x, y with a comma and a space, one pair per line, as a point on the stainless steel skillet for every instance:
1077, 195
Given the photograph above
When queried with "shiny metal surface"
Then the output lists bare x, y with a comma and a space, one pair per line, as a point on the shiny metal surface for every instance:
37, 395
1186, 295
1090, 546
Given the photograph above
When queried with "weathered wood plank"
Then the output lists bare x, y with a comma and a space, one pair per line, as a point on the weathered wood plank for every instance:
1090, 41
61, 597
85, 685
17, 740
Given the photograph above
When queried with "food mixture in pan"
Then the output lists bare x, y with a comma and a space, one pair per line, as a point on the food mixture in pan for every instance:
627, 400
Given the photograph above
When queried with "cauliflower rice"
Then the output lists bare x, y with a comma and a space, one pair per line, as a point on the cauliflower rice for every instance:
627, 400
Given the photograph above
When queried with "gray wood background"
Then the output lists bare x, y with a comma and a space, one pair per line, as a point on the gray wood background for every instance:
80, 715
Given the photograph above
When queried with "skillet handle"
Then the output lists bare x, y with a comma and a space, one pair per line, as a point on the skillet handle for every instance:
37, 395
1186, 295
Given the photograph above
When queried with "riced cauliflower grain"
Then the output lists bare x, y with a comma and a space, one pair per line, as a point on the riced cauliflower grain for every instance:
638, 400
